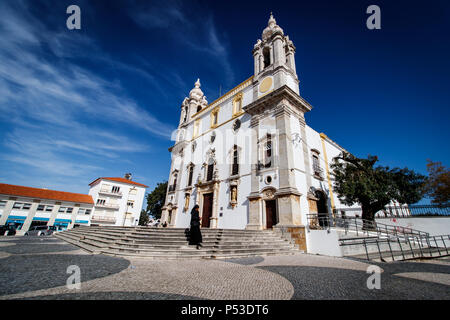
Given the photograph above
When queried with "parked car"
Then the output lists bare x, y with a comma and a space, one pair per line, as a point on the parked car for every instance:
41, 231
8, 229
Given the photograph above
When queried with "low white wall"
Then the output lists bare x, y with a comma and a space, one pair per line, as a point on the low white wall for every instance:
432, 225
324, 243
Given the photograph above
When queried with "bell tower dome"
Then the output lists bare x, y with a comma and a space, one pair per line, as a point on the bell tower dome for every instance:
274, 58
195, 102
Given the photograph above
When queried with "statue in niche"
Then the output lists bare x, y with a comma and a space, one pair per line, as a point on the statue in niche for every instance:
233, 196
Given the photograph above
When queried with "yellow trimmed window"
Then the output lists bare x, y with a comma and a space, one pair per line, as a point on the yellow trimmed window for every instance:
214, 118
196, 128
237, 104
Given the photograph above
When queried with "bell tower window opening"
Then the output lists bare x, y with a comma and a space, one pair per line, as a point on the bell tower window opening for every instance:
266, 56
199, 108
185, 114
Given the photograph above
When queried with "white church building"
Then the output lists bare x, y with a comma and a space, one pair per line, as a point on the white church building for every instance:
249, 159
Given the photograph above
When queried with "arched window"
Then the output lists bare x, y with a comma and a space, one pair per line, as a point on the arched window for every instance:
215, 118
185, 114
199, 108
191, 174
235, 167
268, 155
173, 186
210, 170
266, 55
317, 170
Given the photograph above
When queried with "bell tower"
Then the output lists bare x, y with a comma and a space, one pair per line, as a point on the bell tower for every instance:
274, 61
195, 102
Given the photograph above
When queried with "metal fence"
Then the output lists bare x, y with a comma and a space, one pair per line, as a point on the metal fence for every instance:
390, 242
401, 211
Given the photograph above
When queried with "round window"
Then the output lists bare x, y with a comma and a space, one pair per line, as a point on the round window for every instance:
268, 179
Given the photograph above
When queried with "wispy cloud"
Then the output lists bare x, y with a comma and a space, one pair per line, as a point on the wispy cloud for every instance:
196, 30
63, 116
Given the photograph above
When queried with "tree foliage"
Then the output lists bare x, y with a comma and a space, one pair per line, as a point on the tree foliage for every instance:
358, 181
438, 185
143, 219
156, 199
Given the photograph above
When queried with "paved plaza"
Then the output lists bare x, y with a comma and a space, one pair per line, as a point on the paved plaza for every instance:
36, 268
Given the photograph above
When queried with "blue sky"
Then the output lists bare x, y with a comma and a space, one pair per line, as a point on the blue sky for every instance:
101, 101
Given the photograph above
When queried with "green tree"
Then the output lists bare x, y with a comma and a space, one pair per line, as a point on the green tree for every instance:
143, 219
357, 181
438, 184
156, 199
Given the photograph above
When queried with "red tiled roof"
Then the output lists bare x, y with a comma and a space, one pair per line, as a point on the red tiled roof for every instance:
123, 180
37, 193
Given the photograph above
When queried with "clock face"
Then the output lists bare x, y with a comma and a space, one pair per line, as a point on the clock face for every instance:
265, 85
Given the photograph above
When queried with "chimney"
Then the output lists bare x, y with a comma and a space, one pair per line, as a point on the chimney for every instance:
128, 176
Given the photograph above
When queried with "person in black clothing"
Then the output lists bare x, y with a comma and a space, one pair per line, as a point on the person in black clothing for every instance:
195, 234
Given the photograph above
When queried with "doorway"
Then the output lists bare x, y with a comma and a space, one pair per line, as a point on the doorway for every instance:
271, 213
207, 209
322, 208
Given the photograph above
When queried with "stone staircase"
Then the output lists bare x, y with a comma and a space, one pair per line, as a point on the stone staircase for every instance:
173, 243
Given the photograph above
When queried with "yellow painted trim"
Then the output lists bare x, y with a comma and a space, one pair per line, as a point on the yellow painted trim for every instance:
330, 187
224, 96
214, 112
218, 126
196, 128
236, 100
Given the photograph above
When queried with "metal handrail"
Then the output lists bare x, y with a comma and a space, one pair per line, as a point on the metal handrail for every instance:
325, 221
420, 245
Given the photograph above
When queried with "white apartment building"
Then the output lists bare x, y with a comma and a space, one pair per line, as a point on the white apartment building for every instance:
118, 201
26, 207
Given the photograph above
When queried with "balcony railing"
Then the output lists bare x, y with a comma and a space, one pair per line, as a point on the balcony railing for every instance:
107, 205
110, 192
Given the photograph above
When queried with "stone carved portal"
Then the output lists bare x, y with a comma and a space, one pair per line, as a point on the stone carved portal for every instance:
207, 209
207, 200
270, 217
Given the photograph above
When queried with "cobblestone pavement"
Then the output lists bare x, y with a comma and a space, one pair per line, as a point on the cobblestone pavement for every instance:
36, 268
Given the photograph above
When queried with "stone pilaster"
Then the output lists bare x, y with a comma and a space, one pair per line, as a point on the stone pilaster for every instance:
215, 208
305, 153
173, 219
164, 215
288, 196
278, 52
255, 210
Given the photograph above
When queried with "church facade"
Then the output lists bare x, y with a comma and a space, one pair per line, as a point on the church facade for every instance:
249, 159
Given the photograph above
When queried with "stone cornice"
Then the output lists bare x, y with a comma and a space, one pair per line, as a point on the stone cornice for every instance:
299, 104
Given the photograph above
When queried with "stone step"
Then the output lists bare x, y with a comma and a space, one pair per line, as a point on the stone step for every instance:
200, 255
173, 243
204, 246
256, 254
